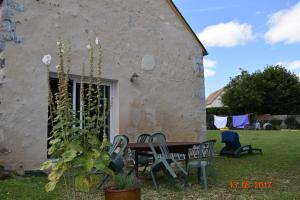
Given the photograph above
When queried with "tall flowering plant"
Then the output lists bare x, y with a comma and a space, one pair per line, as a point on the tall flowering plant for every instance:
76, 142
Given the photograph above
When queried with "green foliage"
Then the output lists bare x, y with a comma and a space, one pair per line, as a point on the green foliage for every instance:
218, 111
210, 122
76, 143
122, 182
276, 124
241, 95
292, 123
274, 91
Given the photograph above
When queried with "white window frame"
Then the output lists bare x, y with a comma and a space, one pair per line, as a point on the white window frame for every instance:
114, 101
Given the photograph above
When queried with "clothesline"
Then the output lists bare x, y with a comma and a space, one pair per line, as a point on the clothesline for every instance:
238, 121
232, 115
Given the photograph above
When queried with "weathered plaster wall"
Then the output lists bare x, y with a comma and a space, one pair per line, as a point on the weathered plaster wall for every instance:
138, 36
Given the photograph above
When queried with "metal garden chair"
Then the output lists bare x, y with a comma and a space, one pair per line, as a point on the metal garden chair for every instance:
157, 143
143, 138
116, 152
205, 158
144, 159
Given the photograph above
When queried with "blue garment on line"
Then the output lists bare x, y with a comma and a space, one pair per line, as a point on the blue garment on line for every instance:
240, 121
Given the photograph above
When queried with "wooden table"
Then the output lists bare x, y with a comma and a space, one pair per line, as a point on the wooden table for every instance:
174, 147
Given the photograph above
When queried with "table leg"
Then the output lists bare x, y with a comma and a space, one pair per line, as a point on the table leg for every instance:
186, 159
136, 163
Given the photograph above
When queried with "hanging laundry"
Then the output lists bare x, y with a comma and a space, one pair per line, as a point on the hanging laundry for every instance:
220, 122
240, 121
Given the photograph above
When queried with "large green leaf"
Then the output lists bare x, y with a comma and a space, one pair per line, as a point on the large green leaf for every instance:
50, 186
58, 126
46, 165
69, 155
102, 161
82, 183
59, 165
93, 140
52, 149
75, 146
89, 164
93, 179
55, 175
100, 166
105, 157
54, 141
96, 153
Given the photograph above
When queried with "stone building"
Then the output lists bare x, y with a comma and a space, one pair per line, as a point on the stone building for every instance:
148, 41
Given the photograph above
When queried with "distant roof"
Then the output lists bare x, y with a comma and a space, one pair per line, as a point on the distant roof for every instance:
187, 26
210, 99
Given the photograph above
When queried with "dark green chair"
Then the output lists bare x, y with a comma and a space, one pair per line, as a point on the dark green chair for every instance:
162, 157
116, 152
205, 159
147, 157
143, 138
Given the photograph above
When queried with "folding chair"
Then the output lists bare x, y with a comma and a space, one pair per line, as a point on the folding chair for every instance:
157, 143
116, 152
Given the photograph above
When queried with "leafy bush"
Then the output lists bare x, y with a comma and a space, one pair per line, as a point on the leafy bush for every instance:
292, 123
218, 111
276, 124
210, 122
274, 90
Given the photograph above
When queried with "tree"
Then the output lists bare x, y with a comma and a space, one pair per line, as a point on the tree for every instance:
274, 91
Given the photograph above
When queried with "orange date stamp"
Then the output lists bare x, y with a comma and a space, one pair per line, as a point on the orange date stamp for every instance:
250, 184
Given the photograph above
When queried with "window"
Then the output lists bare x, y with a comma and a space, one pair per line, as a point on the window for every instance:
74, 90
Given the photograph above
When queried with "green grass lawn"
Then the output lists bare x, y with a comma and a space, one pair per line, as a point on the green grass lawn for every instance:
279, 164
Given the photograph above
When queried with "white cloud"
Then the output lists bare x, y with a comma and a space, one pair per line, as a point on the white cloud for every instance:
258, 12
209, 72
226, 34
209, 63
284, 26
209, 67
291, 65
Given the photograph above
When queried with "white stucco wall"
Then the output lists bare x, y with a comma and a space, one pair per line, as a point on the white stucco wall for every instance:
138, 36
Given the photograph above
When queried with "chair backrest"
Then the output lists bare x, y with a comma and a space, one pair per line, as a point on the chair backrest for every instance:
143, 138
232, 138
158, 141
119, 145
206, 151
116, 152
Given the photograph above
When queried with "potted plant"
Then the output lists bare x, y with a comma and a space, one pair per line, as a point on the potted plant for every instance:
123, 188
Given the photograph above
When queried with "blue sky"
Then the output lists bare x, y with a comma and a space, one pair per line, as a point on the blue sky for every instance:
244, 34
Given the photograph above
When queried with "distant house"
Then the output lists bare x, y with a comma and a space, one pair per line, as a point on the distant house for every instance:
214, 99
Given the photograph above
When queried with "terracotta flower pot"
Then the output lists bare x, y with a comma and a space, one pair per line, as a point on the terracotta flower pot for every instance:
126, 194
